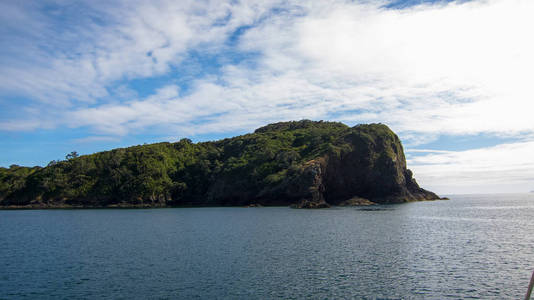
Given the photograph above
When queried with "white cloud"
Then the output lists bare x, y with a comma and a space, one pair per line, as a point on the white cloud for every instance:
457, 68
428, 69
20, 126
137, 39
426, 151
502, 168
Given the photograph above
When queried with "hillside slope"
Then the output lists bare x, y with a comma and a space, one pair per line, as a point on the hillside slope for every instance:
304, 163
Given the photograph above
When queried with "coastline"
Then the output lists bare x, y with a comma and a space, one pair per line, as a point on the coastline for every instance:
347, 203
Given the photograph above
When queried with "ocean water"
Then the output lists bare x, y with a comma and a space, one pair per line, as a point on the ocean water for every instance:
477, 246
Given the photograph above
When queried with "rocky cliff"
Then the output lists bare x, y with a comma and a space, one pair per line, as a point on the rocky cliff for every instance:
304, 164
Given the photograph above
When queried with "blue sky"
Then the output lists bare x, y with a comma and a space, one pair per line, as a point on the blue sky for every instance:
452, 78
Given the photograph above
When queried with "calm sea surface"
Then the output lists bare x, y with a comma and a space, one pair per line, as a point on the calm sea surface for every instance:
477, 246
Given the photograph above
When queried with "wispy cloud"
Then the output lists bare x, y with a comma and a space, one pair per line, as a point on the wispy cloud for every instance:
455, 68
78, 60
427, 151
460, 68
502, 168
96, 138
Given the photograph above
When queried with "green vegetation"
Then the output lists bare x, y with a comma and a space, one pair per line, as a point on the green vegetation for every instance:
270, 166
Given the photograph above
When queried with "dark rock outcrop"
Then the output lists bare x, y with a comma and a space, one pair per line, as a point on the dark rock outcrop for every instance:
356, 201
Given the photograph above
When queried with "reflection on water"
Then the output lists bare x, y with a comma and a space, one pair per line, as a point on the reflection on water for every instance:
468, 247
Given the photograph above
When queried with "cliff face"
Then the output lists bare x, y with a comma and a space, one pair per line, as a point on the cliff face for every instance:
303, 164
374, 168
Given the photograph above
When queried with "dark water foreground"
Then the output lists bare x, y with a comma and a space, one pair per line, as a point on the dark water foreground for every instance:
479, 247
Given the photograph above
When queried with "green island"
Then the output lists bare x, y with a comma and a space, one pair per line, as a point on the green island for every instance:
305, 164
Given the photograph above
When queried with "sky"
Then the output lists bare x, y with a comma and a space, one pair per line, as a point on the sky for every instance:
454, 79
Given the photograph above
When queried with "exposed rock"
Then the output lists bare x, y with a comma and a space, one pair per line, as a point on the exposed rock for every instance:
310, 204
356, 201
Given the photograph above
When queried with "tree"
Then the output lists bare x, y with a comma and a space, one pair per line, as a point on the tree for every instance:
52, 163
72, 155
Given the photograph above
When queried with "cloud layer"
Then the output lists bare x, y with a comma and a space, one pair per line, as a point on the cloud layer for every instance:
502, 168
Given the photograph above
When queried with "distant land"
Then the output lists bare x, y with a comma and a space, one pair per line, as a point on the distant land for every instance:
305, 164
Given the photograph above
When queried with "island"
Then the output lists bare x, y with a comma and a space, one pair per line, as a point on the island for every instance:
303, 164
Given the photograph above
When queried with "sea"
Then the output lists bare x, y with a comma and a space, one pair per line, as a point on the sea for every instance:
468, 247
